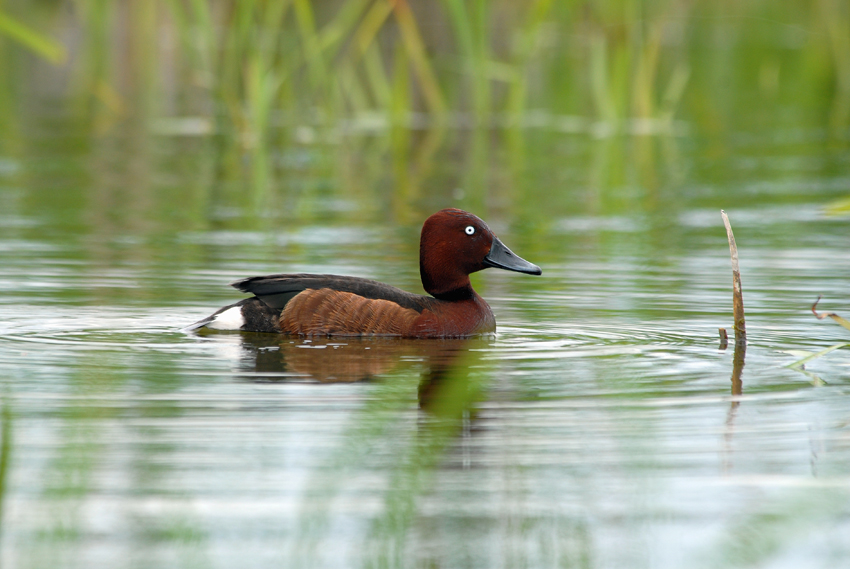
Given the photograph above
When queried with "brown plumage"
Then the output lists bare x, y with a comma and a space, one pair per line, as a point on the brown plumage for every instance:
331, 312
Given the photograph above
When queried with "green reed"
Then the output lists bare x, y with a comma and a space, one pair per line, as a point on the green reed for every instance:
411, 80
611, 61
42, 44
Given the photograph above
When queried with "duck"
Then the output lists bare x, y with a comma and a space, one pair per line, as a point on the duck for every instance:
453, 244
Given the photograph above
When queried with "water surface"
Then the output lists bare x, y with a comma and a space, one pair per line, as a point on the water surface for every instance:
597, 428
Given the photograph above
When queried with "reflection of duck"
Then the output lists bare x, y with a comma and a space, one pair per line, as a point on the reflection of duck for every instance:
342, 360
453, 245
326, 360
444, 362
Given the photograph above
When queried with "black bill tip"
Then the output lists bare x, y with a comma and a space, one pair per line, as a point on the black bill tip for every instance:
501, 257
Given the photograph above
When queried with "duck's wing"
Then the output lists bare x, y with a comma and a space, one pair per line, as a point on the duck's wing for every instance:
310, 304
277, 290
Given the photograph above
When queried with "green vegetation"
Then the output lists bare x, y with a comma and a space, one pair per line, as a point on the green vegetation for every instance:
379, 91
46, 47
257, 64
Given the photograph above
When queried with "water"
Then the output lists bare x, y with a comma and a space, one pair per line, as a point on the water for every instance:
598, 428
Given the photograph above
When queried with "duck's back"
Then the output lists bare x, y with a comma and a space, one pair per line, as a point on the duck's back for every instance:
336, 305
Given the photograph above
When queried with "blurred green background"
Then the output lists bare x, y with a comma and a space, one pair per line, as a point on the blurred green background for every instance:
300, 110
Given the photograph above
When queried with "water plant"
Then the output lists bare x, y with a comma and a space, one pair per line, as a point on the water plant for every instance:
379, 90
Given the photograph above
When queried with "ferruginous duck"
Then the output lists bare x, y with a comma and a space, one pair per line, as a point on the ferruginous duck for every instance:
454, 244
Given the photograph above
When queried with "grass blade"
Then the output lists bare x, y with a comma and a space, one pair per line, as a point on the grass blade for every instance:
46, 47
810, 357
417, 53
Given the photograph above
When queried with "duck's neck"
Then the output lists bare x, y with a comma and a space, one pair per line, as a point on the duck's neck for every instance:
447, 286
463, 293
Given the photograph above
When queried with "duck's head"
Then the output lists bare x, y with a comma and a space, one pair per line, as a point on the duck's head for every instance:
453, 245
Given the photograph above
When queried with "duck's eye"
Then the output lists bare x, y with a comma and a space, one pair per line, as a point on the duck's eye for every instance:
469, 230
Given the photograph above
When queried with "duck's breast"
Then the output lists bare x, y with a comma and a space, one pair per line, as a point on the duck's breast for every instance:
456, 318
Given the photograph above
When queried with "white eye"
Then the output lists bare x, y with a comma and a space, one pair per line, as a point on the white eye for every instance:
469, 230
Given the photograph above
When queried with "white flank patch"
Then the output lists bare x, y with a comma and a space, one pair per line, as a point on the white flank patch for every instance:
230, 319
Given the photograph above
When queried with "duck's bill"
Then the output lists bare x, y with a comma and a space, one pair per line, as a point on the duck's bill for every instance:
501, 257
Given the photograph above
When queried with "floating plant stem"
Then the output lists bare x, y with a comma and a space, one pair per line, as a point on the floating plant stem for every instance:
842, 321
809, 356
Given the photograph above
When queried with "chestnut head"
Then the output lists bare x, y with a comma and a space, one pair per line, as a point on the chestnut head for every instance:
454, 244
